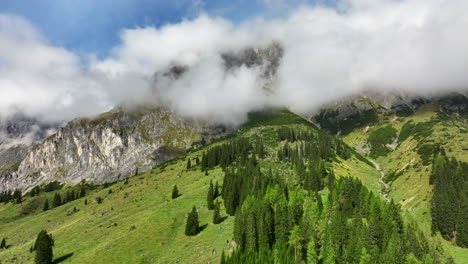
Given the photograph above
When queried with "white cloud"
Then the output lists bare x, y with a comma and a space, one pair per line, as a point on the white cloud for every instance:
417, 46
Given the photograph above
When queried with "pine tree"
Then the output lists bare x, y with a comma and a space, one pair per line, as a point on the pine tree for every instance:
189, 164
175, 192
312, 256
18, 198
57, 201
295, 240
82, 192
216, 190
210, 197
223, 258
365, 257
46, 205
216, 214
3, 244
43, 248
192, 227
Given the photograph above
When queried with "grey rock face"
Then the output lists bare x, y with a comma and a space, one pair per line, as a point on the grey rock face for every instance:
17, 135
269, 58
107, 148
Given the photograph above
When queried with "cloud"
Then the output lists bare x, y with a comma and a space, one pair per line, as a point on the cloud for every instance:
413, 46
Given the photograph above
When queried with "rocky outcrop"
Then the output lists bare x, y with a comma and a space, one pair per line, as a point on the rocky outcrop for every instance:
107, 148
362, 110
18, 134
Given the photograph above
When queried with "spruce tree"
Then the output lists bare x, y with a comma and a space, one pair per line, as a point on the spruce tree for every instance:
46, 205
3, 244
57, 201
210, 197
216, 214
189, 164
43, 248
175, 192
18, 198
216, 190
192, 227
223, 258
82, 192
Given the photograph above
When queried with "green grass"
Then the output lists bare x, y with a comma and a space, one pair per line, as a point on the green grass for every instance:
159, 221
100, 233
408, 167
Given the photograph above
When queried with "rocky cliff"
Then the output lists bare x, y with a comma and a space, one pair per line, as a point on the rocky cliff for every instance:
18, 134
359, 111
108, 147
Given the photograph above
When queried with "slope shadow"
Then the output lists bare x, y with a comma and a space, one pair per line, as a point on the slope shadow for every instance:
201, 228
62, 258
222, 219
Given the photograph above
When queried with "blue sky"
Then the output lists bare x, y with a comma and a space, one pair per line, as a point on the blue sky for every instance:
93, 26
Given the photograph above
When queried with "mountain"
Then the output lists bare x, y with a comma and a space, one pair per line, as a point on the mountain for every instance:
18, 134
405, 138
107, 147
115, 144
285, 186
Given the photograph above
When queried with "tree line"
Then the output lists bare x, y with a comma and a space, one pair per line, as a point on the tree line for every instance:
449, 205
281, 222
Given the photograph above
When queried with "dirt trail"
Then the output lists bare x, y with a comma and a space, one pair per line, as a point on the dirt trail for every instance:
385, 187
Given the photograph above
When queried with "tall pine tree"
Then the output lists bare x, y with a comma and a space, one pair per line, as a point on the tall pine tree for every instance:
43, 248
46, 205
216, 214
192, 227
175, 192
210, 196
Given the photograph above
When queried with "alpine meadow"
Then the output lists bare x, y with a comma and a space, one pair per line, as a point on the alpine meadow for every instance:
259, 132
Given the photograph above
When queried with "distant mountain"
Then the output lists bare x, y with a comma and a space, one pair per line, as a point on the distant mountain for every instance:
285, 190
102, 149
18, 134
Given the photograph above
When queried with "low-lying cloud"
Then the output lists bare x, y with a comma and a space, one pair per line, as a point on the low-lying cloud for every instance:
415, 46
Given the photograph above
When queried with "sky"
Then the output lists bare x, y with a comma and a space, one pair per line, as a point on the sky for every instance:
62, 59
93, 26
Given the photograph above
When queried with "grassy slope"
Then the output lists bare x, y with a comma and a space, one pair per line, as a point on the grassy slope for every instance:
159, 221
412, 189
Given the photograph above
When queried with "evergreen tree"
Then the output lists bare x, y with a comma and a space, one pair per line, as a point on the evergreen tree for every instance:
189, 164
197, 161
223, 258
295, 240
192, 227
210, 197
46, 205
18, 198
312, 256
43, 248
82, 192
216, 214
3, 244
365, 257
57, 201
216, 190
175, 192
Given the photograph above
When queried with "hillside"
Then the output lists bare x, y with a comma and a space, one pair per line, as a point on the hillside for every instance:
136, 221
404, 144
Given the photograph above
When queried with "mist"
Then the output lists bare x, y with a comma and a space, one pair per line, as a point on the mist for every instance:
413, 46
